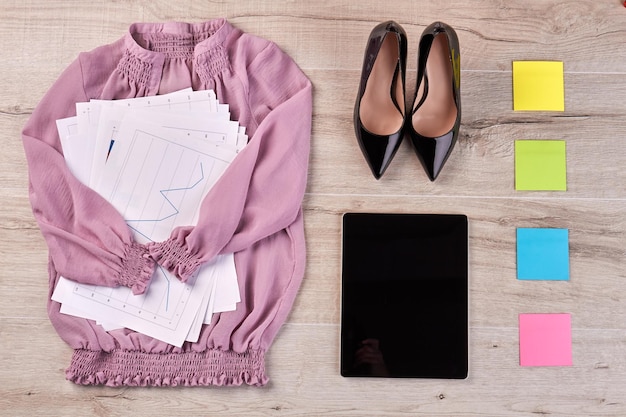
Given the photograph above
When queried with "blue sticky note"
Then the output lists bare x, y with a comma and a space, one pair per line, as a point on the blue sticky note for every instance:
543, 254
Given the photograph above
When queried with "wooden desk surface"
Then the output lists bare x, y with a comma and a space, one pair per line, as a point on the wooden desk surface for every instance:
327, 39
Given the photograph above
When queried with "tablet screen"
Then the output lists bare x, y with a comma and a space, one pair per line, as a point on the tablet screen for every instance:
404, 295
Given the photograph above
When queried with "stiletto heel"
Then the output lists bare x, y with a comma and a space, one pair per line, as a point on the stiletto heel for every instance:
379, 111
436, 117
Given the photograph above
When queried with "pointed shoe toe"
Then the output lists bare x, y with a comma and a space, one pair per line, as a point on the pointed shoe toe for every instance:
379, 111
433, 124
379, 150
433, 152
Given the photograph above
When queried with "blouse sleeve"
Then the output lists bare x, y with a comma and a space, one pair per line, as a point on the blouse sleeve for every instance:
261, 192
87, 238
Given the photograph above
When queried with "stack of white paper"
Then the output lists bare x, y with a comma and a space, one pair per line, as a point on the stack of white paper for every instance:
154, 159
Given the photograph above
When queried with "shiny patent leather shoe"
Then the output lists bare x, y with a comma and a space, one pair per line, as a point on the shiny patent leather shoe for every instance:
434, 122
379, 111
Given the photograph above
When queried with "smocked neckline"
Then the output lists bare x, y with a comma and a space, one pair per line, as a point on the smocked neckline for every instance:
202, 42
214, 33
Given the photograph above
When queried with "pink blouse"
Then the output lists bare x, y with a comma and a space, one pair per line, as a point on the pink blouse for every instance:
254, 210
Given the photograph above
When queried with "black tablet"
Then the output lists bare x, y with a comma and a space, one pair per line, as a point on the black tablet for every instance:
404, 295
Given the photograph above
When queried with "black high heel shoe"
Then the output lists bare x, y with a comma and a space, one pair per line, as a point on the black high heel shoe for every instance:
436, 117
379, 111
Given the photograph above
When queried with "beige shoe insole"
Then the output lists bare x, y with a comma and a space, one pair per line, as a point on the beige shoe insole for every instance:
438, 112
378, 113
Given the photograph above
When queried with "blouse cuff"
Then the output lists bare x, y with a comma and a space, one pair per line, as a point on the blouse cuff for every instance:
137, 268
175, 258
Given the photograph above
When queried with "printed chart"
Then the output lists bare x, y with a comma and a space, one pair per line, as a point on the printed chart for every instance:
156, 175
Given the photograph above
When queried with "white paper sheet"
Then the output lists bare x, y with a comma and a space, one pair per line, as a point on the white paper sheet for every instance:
168, 152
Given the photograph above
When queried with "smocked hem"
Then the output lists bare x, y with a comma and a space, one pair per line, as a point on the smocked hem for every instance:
137, 268
141, 369
175, 258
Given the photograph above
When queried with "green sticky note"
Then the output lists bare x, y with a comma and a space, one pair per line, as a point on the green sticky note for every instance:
538, 86
540, 165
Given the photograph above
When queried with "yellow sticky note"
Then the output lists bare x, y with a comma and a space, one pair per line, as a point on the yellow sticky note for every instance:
540, 165
538, 86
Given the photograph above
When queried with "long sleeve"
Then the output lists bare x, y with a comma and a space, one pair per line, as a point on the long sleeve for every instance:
261, 192
88, 240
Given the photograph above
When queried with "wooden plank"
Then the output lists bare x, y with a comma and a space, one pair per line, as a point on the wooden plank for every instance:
482, 162
594, 293
304, 370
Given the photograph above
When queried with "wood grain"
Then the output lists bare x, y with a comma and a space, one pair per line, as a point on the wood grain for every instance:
327, 38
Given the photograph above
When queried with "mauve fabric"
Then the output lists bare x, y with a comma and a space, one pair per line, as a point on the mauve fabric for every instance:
254, 210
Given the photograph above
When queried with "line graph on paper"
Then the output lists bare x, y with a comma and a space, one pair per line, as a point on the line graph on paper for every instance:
167, 209
169, 182
157, 184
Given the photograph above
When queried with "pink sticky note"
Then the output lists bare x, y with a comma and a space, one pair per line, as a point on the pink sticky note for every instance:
545, 339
